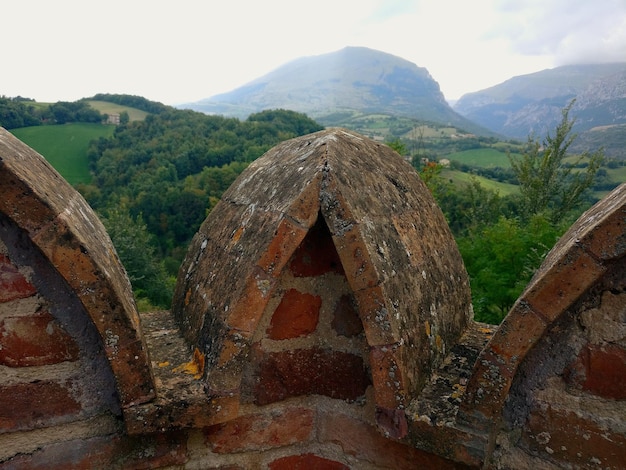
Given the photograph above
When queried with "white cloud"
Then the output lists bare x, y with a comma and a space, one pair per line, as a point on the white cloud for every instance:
175, 51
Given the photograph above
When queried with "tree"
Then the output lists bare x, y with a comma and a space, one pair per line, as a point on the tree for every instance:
547, 183
397, 145
501, 258
134, 246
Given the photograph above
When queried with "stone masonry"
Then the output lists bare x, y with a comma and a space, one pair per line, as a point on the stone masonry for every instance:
321, 320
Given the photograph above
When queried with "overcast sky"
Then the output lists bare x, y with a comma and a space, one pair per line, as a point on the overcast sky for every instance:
176, 51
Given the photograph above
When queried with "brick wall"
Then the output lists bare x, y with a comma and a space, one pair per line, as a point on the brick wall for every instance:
315, 325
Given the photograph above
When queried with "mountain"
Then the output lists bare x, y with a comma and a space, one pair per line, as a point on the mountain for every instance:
532, 104
351, 80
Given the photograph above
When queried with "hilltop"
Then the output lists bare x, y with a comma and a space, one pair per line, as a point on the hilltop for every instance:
532, 104
335, 88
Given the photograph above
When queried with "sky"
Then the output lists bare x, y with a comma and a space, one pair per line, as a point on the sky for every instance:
178, 51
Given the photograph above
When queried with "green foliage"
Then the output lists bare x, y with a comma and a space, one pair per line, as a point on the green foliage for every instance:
172, 168
76, 111
547, 183
20, 112
133, 101
135, 248
397, 145
501, 258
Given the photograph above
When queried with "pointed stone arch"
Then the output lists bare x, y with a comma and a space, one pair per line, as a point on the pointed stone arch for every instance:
399, 259
60, 223
592, 252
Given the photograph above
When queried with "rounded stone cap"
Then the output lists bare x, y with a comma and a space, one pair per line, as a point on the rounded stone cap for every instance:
397, 252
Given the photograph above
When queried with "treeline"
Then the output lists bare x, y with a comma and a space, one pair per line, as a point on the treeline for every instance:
162, 176
132, 101
24, 112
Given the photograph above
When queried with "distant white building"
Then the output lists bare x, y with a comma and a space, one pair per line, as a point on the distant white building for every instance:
114, 118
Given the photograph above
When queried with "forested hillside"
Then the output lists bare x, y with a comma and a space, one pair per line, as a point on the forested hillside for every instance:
155, 179
164, 174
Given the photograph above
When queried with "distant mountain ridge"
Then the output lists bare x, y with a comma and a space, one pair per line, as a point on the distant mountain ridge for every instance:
353, 79
532, 104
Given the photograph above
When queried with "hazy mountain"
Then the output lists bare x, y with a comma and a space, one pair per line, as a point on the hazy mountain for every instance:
533, 103
351, 80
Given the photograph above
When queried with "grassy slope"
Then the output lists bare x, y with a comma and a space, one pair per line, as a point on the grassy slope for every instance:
482, 158
65, 146
460, 178
110, 108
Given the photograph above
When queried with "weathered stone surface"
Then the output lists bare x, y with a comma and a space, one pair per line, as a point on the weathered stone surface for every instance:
306, 462
35, 340
62, 225
182, 401
36, 404
400, 272
310, 372
346, 321
13, 284
261, 431
296, 315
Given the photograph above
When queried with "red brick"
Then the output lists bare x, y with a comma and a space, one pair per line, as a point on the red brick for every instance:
600, 370
261, 431
562, 284
306, 462
380, 329
296, 315
137, 453
565, 436
248, 310
387, 376
35, 340
306, 207
310, 372
365, 443
13, 285
316, 255
518, 333
286, 240
35, 404
354, 256
346, 321
392, 422
607, 239
487, 389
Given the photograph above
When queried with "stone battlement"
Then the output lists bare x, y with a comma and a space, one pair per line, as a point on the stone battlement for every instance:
321, 319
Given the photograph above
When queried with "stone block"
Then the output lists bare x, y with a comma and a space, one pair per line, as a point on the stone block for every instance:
600, 370
36, 404
13, 284
346, 321
313, 371
306, 462
286, 239
388, 376
296, 315
261, 431
571, 438
35, 340
562, 283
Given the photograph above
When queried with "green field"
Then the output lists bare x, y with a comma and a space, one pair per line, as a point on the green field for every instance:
460, 178
481, 158
65, 146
